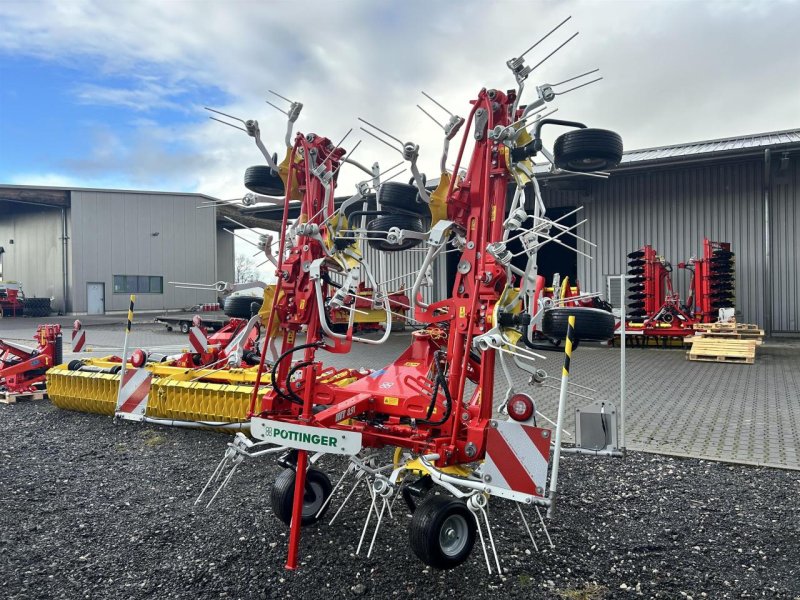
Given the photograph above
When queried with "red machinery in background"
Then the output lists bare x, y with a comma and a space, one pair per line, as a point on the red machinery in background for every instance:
655, 309
22, 369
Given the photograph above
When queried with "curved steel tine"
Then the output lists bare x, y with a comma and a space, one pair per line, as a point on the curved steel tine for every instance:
543, 38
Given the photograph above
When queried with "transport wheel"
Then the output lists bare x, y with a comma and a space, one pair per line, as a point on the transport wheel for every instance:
378, 228
403, 196
442, 532
636, 271
359, 206
239, 307
263, 180
591, 324
185, 326
318, 488
638, 262
587, 150
636, 254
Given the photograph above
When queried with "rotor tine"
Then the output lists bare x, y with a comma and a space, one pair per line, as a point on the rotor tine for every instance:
430, 116
429, 97
381, 140
574, 78
219, 112
577, 87
377, 527
572, 37
214, 477
228, 124
223, 484
491, 540
544, 527
553, 30
381, 130
279, 96
483, 542
276, 108
333, 491
390, 168
341, 164
525, 521
366, 523
345, 501
393, 176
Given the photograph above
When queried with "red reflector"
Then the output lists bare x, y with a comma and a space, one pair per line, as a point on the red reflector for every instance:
520, 407
138, 358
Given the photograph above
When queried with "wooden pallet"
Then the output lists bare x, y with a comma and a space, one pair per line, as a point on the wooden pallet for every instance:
722, 350
752, 336
11, 398
728, 327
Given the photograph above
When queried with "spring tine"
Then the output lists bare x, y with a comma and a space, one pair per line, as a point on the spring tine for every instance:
380, 139
345, 501
430, 116
219, 112
491, 540
333, 491
281, 97
574, 78
399, 141
390, 168
366, 523
223, 484
577, 87
525, 521
214, 477
228, 124
377, 527
553, 30
483, 542
572, 37
276, 108
350, 154
429, 97
547, 533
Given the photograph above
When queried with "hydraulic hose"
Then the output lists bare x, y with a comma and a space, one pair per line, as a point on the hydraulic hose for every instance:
275, 385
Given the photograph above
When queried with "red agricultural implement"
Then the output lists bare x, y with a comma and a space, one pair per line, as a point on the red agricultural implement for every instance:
22, 369
432, 408
656, 310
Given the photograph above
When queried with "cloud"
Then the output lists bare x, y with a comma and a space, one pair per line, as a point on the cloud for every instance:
673, 72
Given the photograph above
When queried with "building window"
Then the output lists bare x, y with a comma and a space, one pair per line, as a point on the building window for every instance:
138, 284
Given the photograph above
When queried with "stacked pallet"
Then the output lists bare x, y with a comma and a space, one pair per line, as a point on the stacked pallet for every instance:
725, 342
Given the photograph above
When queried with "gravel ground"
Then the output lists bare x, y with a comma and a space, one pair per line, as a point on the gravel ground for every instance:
89, 509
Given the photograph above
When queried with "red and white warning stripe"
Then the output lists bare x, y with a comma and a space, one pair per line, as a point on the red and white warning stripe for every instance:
517, 457
134, 391
78, 340
198, 340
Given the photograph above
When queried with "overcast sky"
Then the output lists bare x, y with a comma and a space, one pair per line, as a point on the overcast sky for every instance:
110, 93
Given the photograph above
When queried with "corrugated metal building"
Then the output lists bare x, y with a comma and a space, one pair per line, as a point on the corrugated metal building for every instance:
743, 190
90, 249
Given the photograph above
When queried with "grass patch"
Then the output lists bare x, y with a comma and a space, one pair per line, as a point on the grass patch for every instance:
590, 591
155, 439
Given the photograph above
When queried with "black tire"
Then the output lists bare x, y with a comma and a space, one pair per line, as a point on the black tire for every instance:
591, 324
318, 488
636, 271
636, 262
378, 227
587, 150
359, 206
185, 326
442, 532
636, 254
402, 196
263, 180
238, 307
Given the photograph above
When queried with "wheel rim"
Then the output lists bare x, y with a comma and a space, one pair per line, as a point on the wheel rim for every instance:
312, 499
453, 535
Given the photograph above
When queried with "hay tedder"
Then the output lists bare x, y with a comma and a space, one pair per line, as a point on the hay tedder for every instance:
426, 426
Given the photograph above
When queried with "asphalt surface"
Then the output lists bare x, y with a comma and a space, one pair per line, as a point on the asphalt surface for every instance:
89, 509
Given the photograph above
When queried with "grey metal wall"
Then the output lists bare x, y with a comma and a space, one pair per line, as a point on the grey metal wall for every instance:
113, 234
226, 266
402, 268
673, 209
785, 247
34, 259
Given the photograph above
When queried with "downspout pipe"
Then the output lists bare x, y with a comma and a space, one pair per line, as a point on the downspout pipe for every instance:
64, 257
768, 275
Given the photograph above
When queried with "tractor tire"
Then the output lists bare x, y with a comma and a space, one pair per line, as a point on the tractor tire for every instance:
36, 307
587, 150
378, 228
442, 532
591, 324
239, 307
402, 196
359, 206
318, 489
263, 180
